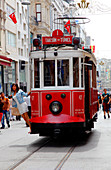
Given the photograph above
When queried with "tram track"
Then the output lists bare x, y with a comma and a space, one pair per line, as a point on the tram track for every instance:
58, 167
65, 158
62, 161
29, 155
78, 140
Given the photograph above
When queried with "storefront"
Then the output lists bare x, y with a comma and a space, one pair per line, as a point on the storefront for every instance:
22, 75
9, 77
7, 74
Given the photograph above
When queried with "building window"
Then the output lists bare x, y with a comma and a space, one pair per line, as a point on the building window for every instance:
25, 13
22, 42
38, 12
13, 72
22, 75
31, 41
21, 52
9, 9
18, 11
25, 38
11, 39
39, 36
18, 51
25, 51
19, 35
20, 18
24, 26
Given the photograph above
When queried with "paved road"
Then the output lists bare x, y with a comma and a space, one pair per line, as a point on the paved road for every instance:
22, 151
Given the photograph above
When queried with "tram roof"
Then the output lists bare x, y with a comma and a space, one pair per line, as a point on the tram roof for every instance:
63, 52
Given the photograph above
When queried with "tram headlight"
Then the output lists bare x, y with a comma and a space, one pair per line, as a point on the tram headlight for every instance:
55, 107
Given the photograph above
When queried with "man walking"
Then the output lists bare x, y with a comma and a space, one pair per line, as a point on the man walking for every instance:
6, 107
105, 98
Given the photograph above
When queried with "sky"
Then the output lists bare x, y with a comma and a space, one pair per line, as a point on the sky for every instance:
99, 27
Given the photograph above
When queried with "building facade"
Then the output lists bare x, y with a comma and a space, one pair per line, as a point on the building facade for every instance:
16, 40
104, 75
39, 21
23, 45
6, 64
13, 45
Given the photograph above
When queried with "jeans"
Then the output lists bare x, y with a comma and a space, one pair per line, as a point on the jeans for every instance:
6, 114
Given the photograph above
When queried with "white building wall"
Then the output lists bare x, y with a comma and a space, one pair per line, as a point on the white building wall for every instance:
19, 50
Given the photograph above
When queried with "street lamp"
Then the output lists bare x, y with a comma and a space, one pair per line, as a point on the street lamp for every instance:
83, 4
101, 63
26, 2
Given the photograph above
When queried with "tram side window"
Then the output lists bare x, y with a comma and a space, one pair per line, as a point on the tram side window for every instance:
75, 72
94, 76
63, 72
49, 73
36, 74
82, 72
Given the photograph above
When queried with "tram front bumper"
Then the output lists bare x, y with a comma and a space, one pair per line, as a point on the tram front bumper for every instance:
48, 124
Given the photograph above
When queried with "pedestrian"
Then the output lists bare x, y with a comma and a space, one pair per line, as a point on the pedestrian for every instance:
106, 100
27, 100
12, 118
19, 102
110, 103
6, 107
1, 108
99, 100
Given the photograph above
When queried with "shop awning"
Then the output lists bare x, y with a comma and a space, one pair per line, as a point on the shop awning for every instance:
5, 61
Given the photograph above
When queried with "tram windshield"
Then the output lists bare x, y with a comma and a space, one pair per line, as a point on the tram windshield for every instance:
63, 72
49, 73
57, 72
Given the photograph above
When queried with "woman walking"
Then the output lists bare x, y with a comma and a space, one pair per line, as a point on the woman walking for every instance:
19, 102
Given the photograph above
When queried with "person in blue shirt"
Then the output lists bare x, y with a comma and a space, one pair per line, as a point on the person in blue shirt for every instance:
106, 99
19, 102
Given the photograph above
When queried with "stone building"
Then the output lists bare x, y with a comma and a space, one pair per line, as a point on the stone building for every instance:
39, 20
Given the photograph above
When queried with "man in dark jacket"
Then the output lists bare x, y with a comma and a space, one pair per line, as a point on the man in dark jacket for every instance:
106, 99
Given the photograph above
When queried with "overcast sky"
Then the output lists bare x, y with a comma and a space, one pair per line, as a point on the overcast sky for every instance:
99, 27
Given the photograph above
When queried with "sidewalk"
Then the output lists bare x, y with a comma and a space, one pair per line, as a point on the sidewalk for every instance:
15, 143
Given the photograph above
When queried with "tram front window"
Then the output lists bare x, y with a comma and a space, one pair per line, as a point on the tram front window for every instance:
63, 72
75, 72
49, 73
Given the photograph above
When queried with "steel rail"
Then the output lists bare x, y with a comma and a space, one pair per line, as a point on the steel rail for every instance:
65, 158
28, 156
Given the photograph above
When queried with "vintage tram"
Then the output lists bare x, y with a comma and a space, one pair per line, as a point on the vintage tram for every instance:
64, 94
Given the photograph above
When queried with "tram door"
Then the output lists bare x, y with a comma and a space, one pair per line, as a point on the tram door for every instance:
87, 91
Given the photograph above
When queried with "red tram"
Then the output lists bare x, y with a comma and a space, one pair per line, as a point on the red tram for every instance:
64, 94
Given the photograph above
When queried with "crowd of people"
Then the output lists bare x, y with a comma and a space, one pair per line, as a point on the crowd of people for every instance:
104, 102
19, 101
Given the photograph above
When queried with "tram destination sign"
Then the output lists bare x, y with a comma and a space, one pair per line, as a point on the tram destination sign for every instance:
57, 40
